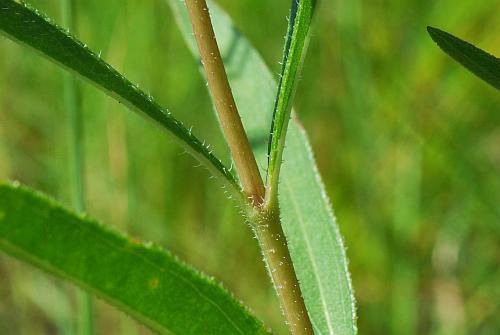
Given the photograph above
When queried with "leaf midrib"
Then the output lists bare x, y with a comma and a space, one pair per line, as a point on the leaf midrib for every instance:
309, 254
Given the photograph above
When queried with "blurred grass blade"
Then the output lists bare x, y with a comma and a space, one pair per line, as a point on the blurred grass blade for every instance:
313, 238
301, 15
479, 62
146, 282
73, 104
24, 24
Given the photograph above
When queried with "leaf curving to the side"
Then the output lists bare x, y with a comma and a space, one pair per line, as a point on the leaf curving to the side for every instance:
477, 61
145, 281
28, 26
314, 240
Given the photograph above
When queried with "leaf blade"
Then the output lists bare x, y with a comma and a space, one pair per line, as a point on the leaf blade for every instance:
27, 26
479, 62
297, 38
146, 282
315, 241
254, 88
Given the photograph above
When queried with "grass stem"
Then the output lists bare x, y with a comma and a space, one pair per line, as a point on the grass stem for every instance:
72, 97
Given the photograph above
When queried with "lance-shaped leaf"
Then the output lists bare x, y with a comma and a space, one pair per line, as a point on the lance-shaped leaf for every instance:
297, 38
313, 238
26, 25
477, 61
148, 283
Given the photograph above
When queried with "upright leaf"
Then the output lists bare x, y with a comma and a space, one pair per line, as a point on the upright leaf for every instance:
479, 62
26, 25
143, 280
297, 38
314, 240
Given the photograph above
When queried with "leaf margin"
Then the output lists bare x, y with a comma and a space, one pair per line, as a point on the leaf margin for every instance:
144, 104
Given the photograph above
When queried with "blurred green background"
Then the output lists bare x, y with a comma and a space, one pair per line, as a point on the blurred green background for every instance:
408, 144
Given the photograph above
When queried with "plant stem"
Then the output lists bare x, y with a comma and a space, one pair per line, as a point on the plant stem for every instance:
72, 95
274, 247
235, 135
265, 219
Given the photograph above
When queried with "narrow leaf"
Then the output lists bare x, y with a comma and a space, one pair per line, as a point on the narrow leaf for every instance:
26, 25
146, 282
314, 240
301, 15
477, 61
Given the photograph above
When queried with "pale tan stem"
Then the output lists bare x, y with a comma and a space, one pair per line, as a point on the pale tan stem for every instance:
235, 135
265, 219
276, 255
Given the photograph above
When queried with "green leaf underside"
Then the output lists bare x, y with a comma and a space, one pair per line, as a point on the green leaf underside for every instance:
301, 15
477, 61
26, 25
315, 243
146, 282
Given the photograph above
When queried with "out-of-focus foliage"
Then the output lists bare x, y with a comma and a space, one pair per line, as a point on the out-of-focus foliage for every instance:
406, 140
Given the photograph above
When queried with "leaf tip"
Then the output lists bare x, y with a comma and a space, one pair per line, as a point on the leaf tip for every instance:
434, 33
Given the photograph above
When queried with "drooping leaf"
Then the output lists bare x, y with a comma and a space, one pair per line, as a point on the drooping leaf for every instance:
27, 26
314, 240
145, 281
297, 38
477, 61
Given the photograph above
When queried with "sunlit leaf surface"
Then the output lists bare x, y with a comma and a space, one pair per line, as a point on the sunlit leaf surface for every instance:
143, 280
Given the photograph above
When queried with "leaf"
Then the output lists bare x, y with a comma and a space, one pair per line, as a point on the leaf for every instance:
27, 26
301, 15
146, 282
477, 61
315, 243
313, 238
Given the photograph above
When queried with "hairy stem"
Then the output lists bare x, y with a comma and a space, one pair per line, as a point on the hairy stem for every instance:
265, 219
72, 95
235, 135
274, 247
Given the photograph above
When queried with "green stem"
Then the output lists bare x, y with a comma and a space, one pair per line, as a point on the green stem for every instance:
72, 97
